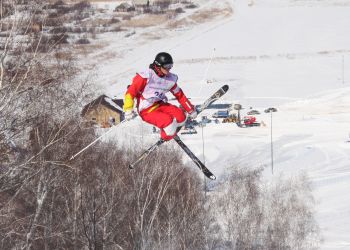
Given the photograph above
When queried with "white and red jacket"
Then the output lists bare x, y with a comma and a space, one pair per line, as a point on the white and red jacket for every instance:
149, 89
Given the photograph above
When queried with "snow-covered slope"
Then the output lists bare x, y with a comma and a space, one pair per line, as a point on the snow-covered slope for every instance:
292, 55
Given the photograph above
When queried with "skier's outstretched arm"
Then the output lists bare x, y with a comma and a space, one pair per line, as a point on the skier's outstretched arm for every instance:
183, 100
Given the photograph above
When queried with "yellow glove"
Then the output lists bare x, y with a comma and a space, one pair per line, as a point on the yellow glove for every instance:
128, 103
128, 107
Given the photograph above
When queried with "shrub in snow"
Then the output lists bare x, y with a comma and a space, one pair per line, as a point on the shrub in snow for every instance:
56, 4
54, 22
117, 29
83, 41
163, 4
191, 6
57, 30
114, 20
7, 9
179, 10
81, 6
46, 43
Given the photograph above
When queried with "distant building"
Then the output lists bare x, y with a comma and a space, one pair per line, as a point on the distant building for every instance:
124, 7
142, 3
104, 111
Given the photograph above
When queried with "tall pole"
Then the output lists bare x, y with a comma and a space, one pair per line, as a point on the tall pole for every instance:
271, 110
239, 118
271, 146
343, 69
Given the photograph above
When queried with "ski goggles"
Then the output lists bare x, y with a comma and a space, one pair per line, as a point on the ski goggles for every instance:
167, 66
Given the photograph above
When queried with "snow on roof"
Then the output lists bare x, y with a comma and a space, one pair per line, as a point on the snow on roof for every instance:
113, 103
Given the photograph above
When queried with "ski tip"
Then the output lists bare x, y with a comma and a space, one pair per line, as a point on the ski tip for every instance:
131, 166
225, 87
212, 177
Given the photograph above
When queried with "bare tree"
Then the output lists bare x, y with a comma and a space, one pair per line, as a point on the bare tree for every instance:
259, 216
38, 113
289, 215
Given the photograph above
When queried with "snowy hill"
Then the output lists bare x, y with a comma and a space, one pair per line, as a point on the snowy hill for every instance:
292, 55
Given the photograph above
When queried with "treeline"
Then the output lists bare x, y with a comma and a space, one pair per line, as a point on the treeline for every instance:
95, 202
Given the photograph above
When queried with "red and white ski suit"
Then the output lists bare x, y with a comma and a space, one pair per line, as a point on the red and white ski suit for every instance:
149, 89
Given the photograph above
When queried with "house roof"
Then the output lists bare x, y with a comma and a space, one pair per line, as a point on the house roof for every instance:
113, 104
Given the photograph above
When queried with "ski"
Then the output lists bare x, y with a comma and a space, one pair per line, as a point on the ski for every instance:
199, 109
219, 93
194, 158
146, 153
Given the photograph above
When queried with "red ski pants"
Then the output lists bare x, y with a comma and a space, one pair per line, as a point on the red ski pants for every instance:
166, 117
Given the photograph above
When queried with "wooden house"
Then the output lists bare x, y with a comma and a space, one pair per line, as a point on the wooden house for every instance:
104, 111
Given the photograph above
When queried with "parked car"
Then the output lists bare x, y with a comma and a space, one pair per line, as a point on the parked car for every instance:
221, 114
253, 112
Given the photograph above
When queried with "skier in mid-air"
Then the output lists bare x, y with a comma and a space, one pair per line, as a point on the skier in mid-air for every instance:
149, 87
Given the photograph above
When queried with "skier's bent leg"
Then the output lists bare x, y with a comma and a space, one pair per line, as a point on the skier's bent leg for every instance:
175, 112
167, 133
179, 119
161, 120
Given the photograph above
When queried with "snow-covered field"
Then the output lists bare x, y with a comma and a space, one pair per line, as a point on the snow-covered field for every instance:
292, 55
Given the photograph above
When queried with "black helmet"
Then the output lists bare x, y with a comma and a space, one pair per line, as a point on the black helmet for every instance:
163, 58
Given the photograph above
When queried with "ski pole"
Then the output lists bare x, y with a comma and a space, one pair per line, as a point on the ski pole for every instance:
92, 143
